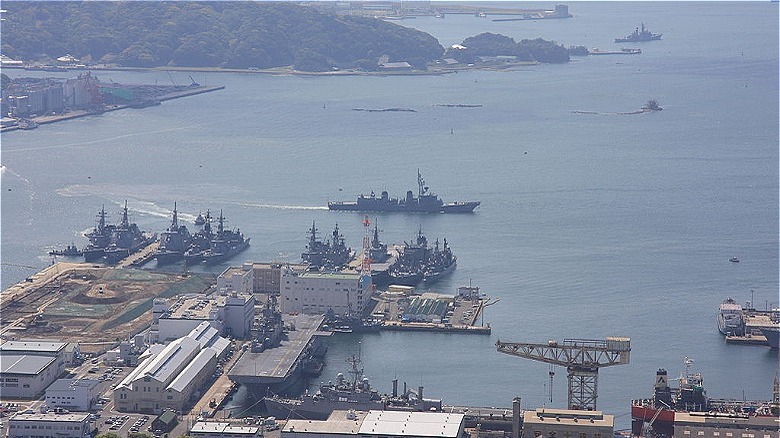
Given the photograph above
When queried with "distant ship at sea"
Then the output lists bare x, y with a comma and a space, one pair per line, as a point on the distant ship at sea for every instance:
424, 202
640, 34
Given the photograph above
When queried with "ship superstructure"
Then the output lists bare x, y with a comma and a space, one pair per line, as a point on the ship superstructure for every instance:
425, 202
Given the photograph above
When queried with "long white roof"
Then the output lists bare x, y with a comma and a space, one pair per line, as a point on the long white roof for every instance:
399, 423
32, 345
164, 365
189, 373
24, 364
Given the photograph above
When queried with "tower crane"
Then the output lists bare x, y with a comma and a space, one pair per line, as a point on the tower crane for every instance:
582, 359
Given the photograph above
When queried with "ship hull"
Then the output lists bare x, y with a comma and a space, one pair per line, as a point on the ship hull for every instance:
627, 40
167, 258
772, 335
114, 256
662, 419
406, 279
430, 278
457, 207
307, 409
93, 254
214, 258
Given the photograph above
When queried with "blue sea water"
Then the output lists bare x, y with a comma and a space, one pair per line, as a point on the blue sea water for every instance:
591, 225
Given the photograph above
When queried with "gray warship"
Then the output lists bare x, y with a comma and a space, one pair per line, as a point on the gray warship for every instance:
173, 242
356, 393
424, 202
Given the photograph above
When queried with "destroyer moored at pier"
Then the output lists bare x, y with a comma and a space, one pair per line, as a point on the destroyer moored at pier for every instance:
424, 202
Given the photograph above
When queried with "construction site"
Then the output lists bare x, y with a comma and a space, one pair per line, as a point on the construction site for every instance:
94, 306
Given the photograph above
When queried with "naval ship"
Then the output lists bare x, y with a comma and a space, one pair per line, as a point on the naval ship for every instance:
356, 394
126, 239
639, 35
326, 255
424, 202
419, 262
99, 238
225, 244
173, 242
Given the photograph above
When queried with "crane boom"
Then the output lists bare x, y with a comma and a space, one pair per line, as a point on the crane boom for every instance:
582, 359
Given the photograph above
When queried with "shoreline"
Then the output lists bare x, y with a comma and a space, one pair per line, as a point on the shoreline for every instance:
283, 71
75, 114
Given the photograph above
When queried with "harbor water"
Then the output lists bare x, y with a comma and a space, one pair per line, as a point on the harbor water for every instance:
592, 223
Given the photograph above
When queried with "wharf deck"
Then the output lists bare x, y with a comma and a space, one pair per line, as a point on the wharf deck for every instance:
435, 327
748, 339
275, 366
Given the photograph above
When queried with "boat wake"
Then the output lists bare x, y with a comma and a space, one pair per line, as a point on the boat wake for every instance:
281, 207
98, 141
598, 113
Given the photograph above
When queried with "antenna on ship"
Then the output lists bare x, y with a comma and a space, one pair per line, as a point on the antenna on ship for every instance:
420, 184
365, 266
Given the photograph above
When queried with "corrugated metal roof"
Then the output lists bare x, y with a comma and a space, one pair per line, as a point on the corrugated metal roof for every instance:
191, 370
24, 364
39, 346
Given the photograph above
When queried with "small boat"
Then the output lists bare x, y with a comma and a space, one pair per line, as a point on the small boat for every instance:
734, 260
200, 220
69, 251
27, 124
652, 105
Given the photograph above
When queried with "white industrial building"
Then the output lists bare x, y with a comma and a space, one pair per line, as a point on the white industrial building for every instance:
204, 429
169, 375
232, 314
378, 424
316, 292
50, 425
563, 422
27, 367
236, 279
72, 394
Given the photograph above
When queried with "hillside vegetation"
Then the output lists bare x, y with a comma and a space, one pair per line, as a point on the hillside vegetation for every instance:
208, 34
491, 44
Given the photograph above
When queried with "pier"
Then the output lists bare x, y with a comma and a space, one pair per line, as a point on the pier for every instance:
278, 369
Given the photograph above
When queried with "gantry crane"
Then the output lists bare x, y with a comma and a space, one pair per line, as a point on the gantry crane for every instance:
582, 359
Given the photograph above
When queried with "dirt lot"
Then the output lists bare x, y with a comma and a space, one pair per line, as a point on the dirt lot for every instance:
95, 306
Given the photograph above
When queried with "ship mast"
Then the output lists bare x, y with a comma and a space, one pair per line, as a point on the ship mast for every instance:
125, 221
102, 219
175, 222
365, 265
420, 185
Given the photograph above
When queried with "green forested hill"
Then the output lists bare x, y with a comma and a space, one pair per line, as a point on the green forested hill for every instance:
200, 34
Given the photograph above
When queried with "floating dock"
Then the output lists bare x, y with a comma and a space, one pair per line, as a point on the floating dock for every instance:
278, 370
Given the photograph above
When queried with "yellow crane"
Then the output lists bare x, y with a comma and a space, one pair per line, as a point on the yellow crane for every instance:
582, 359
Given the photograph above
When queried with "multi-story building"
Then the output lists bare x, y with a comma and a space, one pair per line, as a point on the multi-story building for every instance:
232, 314
72, 394
50, 425
316, 292
27, 367
236, 279
267, 277
169, 375
567, 423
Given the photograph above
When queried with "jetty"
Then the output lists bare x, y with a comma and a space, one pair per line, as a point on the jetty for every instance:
279, 370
